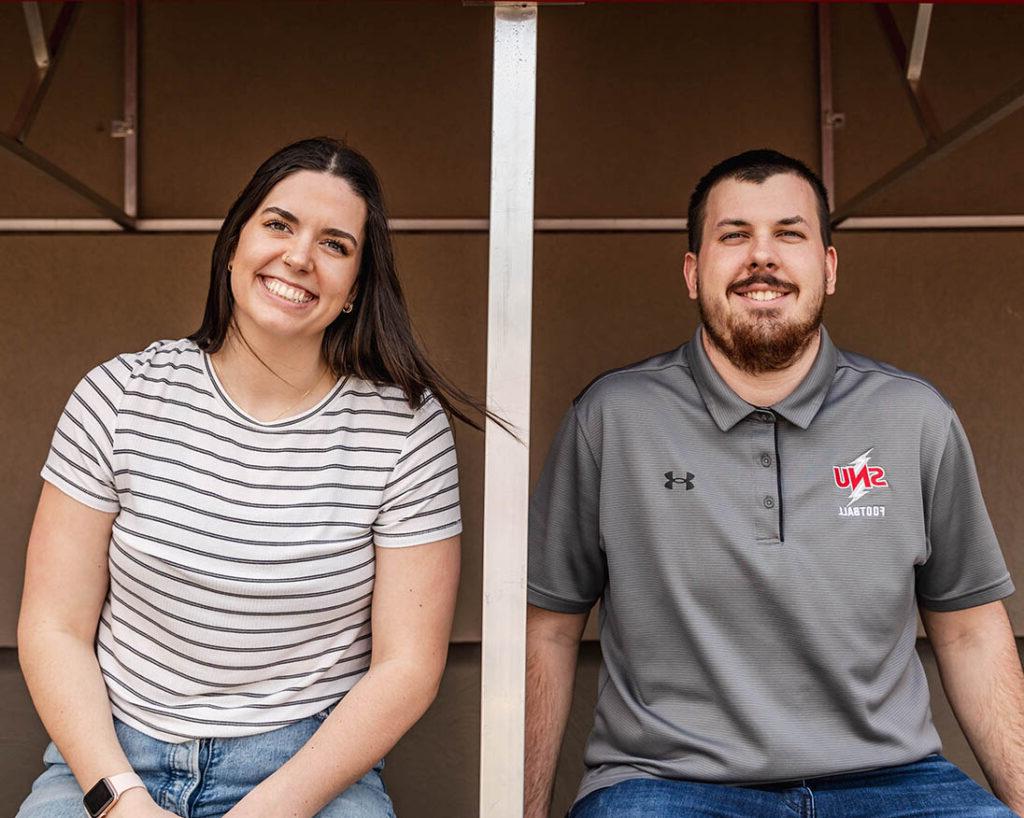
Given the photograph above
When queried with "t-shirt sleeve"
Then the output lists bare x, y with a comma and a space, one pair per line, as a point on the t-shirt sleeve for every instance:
965, 567
567, 568
421, 498
79, 461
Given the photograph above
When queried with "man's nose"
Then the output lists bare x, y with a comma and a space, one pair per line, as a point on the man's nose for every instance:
762, 254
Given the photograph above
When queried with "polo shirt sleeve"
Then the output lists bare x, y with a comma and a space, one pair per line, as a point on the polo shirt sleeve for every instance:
567, 568
79, 461
965, 566
421, 499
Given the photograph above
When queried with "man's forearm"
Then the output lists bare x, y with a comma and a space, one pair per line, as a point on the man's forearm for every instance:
550, 674
981, 674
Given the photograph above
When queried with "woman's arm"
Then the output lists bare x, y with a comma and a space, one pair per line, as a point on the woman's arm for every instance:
65, 585
413, 604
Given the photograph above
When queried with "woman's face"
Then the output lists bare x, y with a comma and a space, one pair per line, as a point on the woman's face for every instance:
297, 258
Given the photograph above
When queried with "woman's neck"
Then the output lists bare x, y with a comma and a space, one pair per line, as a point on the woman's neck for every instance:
271, 380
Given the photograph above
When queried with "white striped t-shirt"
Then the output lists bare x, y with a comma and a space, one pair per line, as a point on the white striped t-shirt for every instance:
242, 555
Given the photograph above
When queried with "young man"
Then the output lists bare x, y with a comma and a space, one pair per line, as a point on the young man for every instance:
761, 515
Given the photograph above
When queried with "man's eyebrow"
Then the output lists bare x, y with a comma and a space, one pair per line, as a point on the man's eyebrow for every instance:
330, 231
792, 220
733, 223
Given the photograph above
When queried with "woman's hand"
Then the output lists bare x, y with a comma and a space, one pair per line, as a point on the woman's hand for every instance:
257, 804
137, 803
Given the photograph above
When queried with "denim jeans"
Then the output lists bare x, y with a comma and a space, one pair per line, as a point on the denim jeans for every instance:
930, 788
203, 778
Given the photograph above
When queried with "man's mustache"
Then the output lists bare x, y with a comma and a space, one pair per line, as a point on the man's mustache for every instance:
767, 280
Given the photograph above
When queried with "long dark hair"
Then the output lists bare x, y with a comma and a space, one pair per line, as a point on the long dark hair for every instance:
375, 341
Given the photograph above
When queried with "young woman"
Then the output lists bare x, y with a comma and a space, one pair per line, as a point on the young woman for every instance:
226, 518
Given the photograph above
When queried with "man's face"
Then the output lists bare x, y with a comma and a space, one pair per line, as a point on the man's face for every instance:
762, 273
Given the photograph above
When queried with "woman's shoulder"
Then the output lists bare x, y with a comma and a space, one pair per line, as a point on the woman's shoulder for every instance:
387, 402
113, 377
166, 354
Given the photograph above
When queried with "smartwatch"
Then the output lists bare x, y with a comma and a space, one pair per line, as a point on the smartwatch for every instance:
99, 800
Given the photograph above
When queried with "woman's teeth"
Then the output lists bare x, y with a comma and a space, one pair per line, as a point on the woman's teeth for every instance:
286, 292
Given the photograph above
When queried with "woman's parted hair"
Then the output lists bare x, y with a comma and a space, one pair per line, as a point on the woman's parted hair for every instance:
375, 341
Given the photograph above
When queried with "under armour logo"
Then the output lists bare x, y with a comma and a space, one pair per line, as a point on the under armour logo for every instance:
674, 481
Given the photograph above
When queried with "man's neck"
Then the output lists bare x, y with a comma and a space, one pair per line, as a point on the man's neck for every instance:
763, 388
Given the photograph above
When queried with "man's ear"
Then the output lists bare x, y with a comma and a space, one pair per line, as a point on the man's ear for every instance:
690, 274
831, 269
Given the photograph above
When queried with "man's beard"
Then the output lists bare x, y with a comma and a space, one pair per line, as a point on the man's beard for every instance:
764, 343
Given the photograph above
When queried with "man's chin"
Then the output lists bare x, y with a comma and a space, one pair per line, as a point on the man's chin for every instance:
764, 346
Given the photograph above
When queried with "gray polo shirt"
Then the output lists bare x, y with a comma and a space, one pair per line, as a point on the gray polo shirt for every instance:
759, 569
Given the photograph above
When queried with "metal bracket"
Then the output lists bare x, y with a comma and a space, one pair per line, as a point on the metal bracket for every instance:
122, 128
46, 56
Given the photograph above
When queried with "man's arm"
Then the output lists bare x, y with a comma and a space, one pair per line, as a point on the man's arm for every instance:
981, 674
552, 643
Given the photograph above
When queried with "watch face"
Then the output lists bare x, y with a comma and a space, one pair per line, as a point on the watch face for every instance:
99, 797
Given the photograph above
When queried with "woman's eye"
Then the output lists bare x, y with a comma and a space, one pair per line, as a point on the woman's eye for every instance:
276, 225
337, 246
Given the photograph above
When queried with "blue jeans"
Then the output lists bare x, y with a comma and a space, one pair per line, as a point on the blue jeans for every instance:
930, 788
203, 778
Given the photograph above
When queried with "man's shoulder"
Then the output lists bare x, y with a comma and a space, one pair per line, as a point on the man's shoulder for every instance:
884, 382
634, 380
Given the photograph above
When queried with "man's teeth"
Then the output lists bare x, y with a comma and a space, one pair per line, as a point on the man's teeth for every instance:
283, 290
763, 295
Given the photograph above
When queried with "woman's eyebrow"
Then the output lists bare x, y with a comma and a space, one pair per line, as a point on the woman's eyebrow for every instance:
330, 231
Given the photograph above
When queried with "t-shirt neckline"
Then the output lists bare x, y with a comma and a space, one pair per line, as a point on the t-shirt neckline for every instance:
265, 424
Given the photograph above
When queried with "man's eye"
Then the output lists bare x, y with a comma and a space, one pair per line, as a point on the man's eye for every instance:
733, 236
792, 234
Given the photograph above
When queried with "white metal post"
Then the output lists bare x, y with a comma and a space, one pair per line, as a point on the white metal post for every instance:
507, 469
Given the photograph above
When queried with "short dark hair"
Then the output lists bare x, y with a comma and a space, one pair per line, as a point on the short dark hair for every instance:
376, 341
754, 166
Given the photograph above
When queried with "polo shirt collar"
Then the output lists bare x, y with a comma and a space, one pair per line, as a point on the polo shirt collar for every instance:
727, 408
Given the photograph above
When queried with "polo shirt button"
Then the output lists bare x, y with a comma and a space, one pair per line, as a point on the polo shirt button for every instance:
766, 460
769, 501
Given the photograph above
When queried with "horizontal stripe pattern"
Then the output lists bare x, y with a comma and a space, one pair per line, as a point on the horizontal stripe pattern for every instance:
242, 554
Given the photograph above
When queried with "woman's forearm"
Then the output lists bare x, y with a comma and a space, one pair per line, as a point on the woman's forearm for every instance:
67, 688
365, 725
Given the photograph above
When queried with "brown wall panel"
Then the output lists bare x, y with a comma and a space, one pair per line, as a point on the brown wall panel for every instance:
407, 83
635, 102
973, 54
83, 299
72, 128
433, 770
432, 773
943, 305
